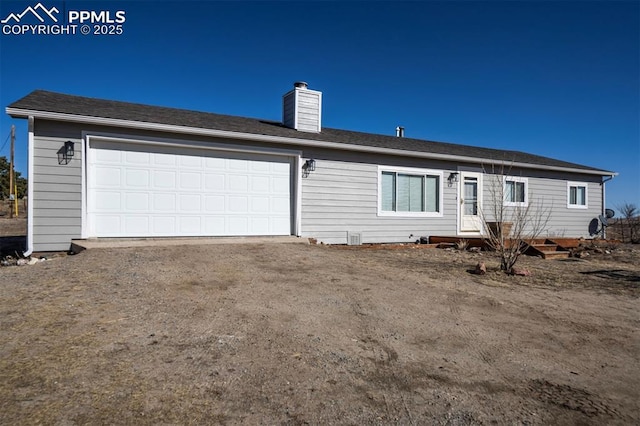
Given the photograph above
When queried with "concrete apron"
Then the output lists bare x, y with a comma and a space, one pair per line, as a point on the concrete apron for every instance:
79, 245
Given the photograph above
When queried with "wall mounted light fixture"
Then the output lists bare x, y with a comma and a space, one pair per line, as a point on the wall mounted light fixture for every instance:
65, 153
453, 178
308, 167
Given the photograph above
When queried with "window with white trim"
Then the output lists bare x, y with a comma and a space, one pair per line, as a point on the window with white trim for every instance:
577, 195
409, 192
516, 191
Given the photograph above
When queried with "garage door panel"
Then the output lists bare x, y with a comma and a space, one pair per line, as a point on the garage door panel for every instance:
215, 225
163, 160
280, 185
164, 202
136, 224
190, 181
108, 225
237, 165
190, 161
260, 205
137, 178
238, 204
163, 225
238, 225
260, 166
189, 203
107, 177
190, 225
108, 156
132, 157
108, 201
237, 183
259, 225
214, 204
170, 192
280, 205
260, 184
137, 202
215, 163
214, 182
163, 179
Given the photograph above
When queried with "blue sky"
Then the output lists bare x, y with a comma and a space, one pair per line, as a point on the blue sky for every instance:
558, 79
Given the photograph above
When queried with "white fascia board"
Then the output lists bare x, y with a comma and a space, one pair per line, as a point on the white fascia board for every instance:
22, 113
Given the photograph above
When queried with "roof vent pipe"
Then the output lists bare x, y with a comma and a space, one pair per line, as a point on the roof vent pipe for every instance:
399, 132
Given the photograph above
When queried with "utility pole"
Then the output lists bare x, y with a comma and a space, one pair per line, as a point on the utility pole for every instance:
13, 142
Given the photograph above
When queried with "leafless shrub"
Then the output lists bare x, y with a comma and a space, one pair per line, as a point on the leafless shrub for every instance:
628, 226
511, 225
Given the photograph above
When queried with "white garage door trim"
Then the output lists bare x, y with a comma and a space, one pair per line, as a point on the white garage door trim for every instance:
264, 216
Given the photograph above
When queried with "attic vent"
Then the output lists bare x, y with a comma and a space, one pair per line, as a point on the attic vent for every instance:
302, 108
354, 238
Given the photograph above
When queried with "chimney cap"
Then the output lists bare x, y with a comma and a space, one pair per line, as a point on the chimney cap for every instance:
300, 84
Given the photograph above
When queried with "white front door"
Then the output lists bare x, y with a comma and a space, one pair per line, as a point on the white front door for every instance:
470, 197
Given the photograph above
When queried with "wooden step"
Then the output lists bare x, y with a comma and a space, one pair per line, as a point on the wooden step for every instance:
547, 249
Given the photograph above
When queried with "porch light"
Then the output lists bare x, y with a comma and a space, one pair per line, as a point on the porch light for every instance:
310, 165
65, 153
453, 178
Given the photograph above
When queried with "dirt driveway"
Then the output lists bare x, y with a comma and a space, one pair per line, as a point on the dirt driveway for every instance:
298, 334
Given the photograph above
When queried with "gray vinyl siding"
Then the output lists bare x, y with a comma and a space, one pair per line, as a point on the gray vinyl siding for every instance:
339, 197
308, 111
288, 109
565, 221
342, 197
549, 194
57, 195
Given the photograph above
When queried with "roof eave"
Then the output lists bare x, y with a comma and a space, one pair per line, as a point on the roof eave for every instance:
143, 125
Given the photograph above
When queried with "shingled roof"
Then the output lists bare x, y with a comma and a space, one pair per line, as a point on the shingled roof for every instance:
78, 106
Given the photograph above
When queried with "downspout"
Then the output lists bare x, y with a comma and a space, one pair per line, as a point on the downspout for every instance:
30, 190
604, 204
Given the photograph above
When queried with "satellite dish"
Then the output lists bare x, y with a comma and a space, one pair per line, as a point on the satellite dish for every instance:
604, 220
609, 213
593, 227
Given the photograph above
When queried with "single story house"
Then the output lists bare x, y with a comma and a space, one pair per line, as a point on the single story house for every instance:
104, 169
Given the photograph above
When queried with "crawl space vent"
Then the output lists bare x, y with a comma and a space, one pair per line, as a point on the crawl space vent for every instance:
354, 238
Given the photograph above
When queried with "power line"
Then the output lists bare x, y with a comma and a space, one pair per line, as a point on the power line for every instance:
5, 142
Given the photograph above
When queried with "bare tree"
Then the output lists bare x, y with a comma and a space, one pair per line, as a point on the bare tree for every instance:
512, 219
629, 224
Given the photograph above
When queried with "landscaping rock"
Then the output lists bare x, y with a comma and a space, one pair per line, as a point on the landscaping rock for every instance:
481, 269
521, 272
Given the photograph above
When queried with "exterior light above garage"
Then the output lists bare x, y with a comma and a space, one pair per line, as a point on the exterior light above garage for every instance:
66, 152
310, 165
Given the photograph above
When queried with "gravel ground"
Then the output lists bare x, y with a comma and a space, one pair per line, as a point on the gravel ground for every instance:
305, 334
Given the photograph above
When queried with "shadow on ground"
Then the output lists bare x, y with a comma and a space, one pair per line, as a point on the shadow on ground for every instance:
616, 274
12, 245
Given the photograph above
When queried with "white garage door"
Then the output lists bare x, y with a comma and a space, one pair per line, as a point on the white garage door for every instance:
155, 191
